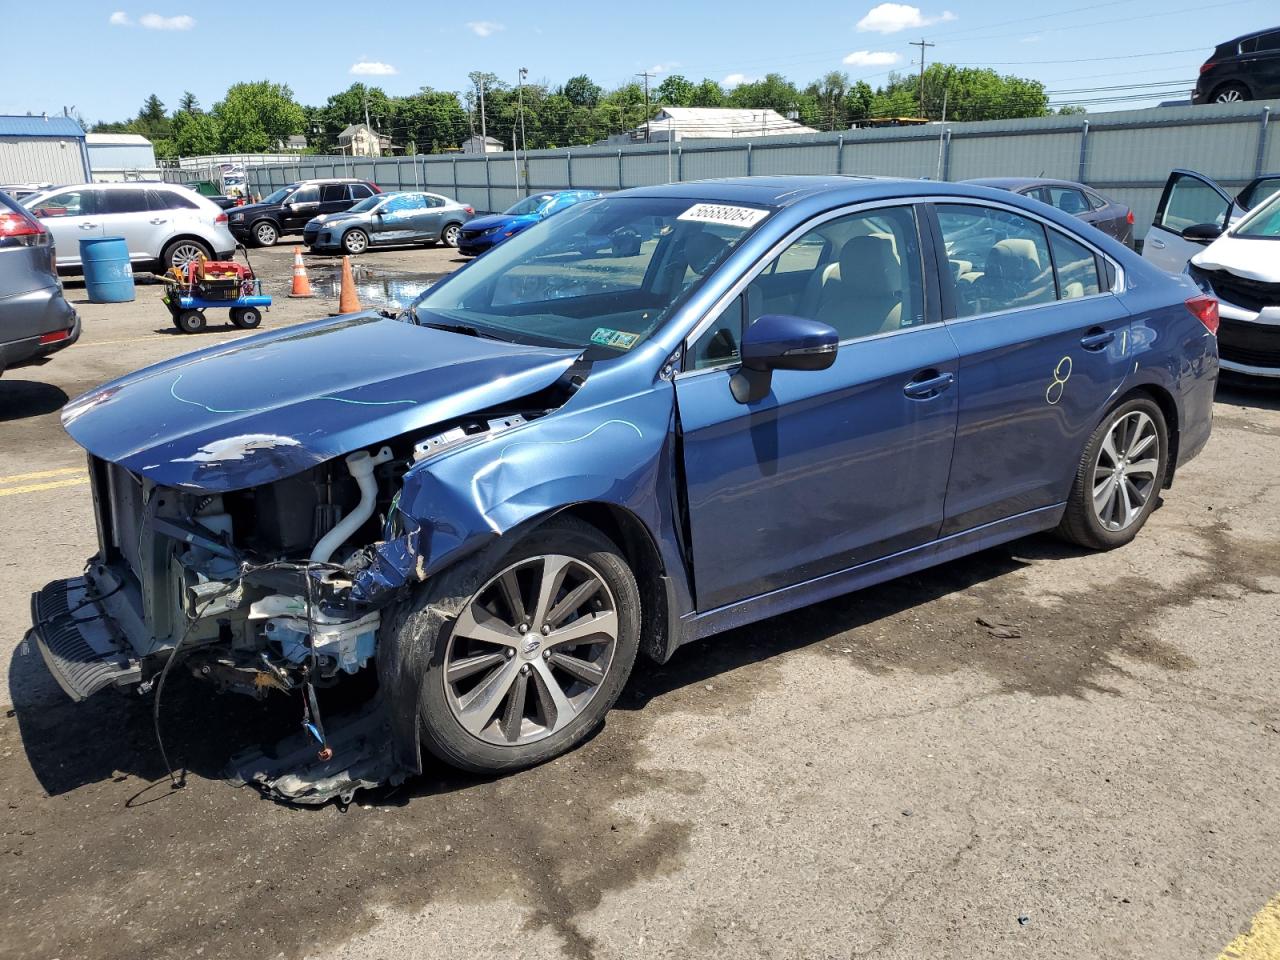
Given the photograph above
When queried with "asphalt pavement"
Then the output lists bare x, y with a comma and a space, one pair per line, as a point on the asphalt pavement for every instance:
1033, 752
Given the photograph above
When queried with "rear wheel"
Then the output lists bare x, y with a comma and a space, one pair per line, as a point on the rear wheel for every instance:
534, 658
265, 233
1119, 478
1230, 93
355, 241
450, 234
189, 321
246, 318
181, 253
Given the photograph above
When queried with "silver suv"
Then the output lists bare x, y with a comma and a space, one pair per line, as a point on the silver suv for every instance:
35, 318
162, 223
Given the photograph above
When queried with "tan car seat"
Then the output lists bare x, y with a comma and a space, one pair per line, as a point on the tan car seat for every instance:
866, 297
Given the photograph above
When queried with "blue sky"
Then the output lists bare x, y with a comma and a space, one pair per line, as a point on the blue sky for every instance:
105, 58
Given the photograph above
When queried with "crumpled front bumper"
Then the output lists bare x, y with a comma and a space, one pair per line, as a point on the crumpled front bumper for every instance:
80, 640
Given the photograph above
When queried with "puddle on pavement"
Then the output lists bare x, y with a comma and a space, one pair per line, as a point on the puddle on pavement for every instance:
371, 289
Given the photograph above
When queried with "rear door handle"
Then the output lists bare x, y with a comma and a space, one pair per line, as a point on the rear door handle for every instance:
1097, 339
159, 220
1158, 244
88, 226
928, 384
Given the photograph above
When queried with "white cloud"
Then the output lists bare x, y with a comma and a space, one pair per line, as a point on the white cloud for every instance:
119, 19
892, 17
484, 28
664, 67
153, 21
735, 80
372, 68
871, 58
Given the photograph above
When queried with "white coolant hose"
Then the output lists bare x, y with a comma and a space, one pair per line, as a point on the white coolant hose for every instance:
361, 465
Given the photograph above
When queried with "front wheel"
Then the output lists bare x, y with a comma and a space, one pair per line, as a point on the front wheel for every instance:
1119, 477
355, 242
265, 233
450, 234
533, 659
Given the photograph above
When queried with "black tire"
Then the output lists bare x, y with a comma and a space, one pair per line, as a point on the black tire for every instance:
449, 235
422, 637
189, 321
1230, 93
246, 318
355, 242
1080, 523
180, 252
264, 233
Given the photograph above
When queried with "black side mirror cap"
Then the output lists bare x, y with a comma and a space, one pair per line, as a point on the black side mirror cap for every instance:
1202, 232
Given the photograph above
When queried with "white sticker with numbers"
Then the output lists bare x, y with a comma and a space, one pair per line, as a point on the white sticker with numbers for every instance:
724, 214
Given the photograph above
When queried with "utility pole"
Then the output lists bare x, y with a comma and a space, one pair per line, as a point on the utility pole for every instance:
646, 74
922, 44
520, 78
484, 135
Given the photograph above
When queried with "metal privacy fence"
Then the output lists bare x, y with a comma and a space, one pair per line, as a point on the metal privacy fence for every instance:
1126, 155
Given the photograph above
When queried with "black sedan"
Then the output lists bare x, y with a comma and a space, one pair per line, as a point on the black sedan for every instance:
1076, 199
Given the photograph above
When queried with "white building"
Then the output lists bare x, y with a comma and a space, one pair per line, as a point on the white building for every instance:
702, 123
360, 140
479, 144
121, 156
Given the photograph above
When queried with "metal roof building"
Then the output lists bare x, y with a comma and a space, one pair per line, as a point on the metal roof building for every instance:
42, 149
121, 156
690, 123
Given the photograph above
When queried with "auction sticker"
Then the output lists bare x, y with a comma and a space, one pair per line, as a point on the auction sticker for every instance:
620, 339
722, 213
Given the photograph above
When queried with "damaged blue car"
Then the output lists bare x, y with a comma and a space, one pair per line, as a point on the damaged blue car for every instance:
574, 452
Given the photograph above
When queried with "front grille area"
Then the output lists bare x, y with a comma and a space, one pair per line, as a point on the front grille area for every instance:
1251, 344
1250, 294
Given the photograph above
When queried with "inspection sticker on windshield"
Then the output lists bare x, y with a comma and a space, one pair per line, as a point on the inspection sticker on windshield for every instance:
722, 213
619, 339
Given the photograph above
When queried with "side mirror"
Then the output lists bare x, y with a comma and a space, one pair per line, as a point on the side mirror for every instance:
777, 341
1202, 232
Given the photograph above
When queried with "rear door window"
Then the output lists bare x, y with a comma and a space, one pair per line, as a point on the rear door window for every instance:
124, 201
358, 191
1000, 259
1076, 266
1068, 200
333, 193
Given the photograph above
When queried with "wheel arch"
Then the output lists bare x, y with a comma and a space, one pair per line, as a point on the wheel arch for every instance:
187, 236
1169, 408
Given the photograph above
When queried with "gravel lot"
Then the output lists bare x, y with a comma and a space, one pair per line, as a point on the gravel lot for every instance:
1029, 753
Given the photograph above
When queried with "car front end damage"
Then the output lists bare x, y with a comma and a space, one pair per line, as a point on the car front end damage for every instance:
1249, 308
265, 561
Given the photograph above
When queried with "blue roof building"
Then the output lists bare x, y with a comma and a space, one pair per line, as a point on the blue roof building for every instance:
42, 149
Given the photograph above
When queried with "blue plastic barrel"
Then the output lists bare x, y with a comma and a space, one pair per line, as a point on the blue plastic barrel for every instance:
108, 275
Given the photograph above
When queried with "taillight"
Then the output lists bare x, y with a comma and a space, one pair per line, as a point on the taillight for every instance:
54, 337
1206, 67
470, 210
1129, 218
19, 230
375, 188
1206, 310
222, 218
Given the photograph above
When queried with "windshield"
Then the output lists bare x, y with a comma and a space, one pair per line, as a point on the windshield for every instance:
280, 194
603, 275
1263, 223
368, 203
529, 205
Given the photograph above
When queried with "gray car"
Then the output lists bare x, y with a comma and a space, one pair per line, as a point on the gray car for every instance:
35, 318
1074, 198
388, 219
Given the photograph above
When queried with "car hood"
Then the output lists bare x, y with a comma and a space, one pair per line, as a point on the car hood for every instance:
1253, 259
328, 219
268, 407
251, 208
498, 220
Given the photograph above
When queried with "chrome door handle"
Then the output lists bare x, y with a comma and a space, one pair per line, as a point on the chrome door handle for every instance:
88, 226
1158, 244
1096, 340
158, 220
929, 387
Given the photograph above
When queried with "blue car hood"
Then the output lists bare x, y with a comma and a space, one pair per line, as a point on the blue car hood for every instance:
499, 220
265, 408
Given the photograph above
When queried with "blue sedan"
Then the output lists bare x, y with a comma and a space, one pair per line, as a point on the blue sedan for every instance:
657, 416
484, 233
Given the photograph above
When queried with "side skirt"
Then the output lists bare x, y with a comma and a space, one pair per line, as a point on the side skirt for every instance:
698, 625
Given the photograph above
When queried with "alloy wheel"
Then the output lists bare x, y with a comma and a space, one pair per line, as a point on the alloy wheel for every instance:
266, 234
1124, 475
451, 235
355, 241
530, 650
1231, 95
184, 254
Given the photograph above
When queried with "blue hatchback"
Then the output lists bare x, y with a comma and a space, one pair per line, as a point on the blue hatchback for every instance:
662, 414
484, 233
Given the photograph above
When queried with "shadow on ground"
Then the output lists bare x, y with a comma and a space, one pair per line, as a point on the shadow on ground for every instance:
20, 399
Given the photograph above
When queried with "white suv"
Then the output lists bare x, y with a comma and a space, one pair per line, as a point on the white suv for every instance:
162, 223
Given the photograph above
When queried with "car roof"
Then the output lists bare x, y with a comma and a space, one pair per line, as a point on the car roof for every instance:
1014, 183
1253, 33
785, 191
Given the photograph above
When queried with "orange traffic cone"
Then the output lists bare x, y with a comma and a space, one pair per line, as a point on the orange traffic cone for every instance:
348, 302
301, 282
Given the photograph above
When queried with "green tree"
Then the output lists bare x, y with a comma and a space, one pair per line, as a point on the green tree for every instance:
581, 91
971, 93
675, 91
188, 103
858, 101
432, 119
255, 117
195, 134
708, 93
774, 92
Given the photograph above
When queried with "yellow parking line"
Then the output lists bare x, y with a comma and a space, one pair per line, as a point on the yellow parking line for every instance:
41, 474
33, 487
1262, 940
